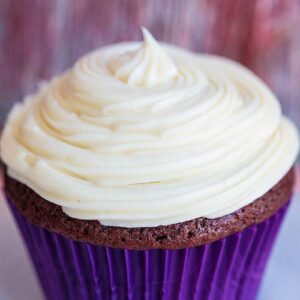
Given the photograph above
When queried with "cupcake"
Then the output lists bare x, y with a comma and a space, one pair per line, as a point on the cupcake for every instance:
149, 172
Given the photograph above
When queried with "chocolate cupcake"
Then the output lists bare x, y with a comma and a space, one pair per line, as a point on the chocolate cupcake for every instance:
149, 172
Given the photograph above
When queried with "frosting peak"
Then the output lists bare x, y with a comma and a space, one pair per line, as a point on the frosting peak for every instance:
149, 65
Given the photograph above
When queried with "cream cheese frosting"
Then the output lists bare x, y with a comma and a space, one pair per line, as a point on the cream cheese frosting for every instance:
142, 134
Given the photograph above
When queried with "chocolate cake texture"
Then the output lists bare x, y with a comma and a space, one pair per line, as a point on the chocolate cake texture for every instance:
191, 233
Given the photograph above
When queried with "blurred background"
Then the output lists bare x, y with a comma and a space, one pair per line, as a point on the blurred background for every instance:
39, 39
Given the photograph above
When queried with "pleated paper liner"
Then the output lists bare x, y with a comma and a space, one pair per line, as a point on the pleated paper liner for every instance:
230, 268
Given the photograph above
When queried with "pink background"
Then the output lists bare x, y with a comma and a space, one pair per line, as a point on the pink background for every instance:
41, 38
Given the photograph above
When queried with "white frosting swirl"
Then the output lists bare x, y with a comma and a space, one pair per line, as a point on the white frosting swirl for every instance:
141, 134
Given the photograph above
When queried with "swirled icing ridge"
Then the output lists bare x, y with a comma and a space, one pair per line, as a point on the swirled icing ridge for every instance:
143, 134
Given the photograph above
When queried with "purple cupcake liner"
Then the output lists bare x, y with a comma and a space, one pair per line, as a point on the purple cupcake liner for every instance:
230, 268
